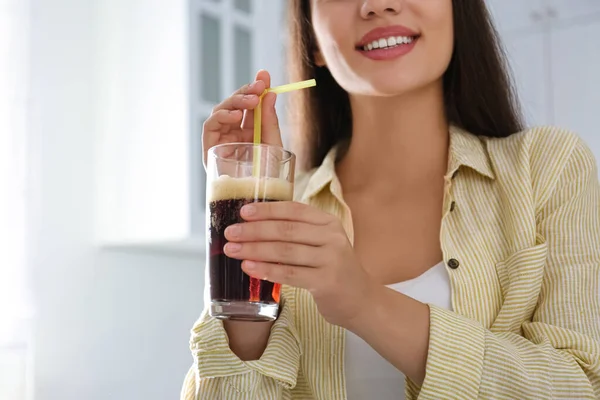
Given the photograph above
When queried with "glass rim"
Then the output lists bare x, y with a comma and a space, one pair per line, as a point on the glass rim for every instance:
288, 155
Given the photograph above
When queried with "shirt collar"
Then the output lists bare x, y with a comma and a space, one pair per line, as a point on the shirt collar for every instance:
323, 176
466, 149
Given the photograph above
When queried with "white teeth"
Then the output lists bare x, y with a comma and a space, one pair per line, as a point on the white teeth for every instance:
389, 42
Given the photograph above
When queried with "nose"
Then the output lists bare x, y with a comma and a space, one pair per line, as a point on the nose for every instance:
372, 8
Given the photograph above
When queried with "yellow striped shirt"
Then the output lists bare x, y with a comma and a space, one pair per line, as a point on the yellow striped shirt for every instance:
525, 233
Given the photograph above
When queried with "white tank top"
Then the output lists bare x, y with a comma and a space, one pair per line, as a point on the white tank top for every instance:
370, 376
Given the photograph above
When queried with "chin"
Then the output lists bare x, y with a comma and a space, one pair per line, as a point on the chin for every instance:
394, 87
388, 80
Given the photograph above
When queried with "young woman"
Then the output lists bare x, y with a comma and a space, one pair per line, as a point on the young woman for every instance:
433, 238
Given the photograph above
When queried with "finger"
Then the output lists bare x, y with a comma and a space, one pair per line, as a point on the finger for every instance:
271, 134
290, 275
274, 231
257, 88
239, 102
270, 121
276, 252
220, 119
248, 121
264, 76
218, 123
286, 211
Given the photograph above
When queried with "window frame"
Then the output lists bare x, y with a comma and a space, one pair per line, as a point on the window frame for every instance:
265, 23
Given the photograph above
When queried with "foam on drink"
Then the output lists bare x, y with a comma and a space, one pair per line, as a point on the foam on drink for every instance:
259, 189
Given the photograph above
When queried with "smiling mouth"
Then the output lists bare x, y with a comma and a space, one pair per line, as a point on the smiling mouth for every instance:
388, 43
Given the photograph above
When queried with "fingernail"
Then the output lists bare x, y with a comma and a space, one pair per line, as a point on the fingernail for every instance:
233, 231
232, 247
248, 210
252, 85
249, 96
249, 265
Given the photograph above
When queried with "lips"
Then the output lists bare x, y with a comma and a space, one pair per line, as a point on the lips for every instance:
384, 33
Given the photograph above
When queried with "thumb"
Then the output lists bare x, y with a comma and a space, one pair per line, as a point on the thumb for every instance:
264, 76
271, 133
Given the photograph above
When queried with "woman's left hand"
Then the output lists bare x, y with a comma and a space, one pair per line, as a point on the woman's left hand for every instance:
298, 245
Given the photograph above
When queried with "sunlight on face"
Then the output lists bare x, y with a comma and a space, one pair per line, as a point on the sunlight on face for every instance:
410, 49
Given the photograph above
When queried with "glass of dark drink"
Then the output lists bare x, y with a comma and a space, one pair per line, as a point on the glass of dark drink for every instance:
238, 174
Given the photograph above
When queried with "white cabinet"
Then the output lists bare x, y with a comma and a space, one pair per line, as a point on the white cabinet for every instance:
519, 15
555, 60
569, 9
515, 15
526, 58
576, 81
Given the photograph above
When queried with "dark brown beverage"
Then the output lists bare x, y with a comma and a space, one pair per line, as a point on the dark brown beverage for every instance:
227, 280
228, 283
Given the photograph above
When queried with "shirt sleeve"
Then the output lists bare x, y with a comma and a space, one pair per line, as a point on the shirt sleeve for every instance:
217, 373
556, 355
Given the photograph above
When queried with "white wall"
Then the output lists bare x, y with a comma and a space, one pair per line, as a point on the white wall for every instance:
109, 325
144, 306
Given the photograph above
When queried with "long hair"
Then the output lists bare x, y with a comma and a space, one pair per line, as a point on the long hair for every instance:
479, 94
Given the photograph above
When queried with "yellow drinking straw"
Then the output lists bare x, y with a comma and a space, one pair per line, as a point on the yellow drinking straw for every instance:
258, 116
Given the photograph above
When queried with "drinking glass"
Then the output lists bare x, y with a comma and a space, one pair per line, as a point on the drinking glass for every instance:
238, 174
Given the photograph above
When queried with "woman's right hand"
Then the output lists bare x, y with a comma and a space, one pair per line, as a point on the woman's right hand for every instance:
232, 121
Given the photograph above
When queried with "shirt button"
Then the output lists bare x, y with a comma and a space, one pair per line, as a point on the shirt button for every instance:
453, 263
452, 206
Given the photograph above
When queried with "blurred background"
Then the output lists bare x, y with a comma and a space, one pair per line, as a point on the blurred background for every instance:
101, 185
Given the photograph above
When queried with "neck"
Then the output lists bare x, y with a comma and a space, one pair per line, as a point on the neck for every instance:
403, 138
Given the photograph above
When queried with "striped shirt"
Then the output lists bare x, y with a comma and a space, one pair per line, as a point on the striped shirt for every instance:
520, 235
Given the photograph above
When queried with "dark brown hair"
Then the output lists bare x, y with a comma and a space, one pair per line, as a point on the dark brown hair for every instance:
479, 93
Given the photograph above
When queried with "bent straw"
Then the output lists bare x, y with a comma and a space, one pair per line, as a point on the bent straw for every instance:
292, 86
258, 116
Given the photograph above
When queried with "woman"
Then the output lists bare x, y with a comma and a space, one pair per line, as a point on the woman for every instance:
432, 238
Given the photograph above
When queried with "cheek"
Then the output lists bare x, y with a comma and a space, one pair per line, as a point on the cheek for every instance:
438, 27
334, 24
328, 32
